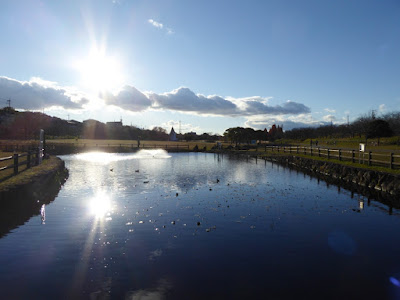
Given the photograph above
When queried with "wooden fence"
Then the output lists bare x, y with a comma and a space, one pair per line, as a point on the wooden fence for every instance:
32, 159
389, 160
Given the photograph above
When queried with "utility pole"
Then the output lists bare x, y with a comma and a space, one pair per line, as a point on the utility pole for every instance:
179, 127
9, 102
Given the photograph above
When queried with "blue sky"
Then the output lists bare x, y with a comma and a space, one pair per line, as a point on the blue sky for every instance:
209, 64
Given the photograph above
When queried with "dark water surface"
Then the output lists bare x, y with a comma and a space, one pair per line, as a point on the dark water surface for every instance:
200, 226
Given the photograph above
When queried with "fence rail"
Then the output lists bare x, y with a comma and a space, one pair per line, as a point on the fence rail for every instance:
32, 159
389, 160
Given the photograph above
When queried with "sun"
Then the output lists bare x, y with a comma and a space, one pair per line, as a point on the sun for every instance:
99, 71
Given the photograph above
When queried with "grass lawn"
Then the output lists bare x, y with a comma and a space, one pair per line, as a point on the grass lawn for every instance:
391, 144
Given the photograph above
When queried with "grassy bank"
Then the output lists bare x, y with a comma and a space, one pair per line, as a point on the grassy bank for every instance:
390, 144
27, 176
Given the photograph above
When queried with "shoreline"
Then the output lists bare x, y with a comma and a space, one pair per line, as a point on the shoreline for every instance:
24, 198
52, 170
383, 186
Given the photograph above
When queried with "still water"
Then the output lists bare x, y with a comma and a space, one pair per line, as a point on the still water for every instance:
154, 225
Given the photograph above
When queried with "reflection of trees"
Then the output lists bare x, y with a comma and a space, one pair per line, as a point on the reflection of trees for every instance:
19, 205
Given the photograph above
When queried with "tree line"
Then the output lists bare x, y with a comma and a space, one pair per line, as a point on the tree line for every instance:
26, 125
368, 126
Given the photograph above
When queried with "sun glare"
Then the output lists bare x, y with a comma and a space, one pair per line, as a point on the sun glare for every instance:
100, 71
100, 204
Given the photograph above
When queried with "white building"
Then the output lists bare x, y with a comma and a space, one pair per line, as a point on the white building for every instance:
172, 135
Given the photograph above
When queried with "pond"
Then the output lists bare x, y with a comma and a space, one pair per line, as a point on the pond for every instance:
157, 225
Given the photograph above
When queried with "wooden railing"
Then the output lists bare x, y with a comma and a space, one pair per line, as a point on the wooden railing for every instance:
32, 159
389, 160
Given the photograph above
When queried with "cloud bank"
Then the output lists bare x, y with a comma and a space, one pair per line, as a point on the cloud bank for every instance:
287, 122
183, 99
37, 94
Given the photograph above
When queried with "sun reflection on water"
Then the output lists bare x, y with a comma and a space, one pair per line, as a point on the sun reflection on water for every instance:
100, 204
99, 157
105, 158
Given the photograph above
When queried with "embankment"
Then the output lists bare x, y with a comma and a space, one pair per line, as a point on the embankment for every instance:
22, 196
370, 182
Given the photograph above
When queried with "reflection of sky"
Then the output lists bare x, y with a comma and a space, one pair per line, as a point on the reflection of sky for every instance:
182, 172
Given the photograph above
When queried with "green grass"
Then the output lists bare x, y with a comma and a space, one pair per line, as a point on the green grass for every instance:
391, 144
339, 162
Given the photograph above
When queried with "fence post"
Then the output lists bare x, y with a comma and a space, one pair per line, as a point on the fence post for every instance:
340, 154
311, 151
353, 155
319, 152
284, 149
328, 152
391, 160
15, 163
297, 149
28, 160
369, 158
37, 157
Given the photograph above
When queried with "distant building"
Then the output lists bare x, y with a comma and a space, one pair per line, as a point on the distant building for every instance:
172, 135
114, 124
73, 123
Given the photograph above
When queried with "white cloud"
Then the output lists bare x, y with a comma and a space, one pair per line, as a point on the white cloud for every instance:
128, 98
287, 122
160, 26
289, 107
38, 94
329, 118
183, 99
329, 110
382, 108
155, 23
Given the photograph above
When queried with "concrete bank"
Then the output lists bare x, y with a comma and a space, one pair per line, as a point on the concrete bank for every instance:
372, 182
